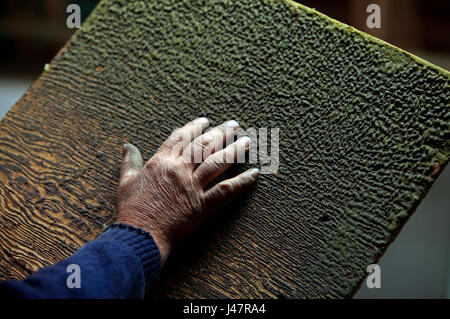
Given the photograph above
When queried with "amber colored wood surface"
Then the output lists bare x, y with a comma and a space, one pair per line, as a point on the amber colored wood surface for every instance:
364, 131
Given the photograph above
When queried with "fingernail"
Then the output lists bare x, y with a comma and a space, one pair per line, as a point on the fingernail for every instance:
232, 123
124, 148
245, 140
203, 121
254, 173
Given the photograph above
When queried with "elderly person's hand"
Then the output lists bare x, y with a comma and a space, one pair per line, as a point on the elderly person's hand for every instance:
168, 196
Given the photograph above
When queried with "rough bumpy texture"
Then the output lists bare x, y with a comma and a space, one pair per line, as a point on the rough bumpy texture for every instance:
364, 131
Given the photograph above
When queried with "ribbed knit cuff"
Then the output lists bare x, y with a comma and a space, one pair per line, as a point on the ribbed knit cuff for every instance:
143, 246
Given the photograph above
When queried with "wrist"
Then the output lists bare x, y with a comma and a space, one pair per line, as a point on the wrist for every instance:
164, 248
141, 244
163, 245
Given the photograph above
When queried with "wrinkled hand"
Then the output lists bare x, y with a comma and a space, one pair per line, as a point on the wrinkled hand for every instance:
168, 196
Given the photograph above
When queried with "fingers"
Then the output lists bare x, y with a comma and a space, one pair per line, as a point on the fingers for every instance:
206, 144
132, 162
182, 137
217, 163
230, 188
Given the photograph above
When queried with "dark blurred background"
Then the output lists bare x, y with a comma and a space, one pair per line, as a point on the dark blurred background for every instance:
417, 264
32, 31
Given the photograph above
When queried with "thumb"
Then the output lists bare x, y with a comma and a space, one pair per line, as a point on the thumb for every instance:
132, 162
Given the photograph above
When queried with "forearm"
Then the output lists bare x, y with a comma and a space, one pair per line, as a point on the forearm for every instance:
120, 263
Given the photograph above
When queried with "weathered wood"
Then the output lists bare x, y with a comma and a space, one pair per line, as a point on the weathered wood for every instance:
364, 132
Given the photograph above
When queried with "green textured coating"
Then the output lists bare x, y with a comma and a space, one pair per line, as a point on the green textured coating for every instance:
364, 131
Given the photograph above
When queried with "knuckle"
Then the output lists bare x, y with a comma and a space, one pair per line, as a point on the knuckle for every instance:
172, 169
177, 136
215, 160
202, 142
151, 163
156, 162
177, 133
226, 188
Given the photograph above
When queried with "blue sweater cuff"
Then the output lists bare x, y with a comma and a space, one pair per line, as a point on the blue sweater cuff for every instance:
143, 246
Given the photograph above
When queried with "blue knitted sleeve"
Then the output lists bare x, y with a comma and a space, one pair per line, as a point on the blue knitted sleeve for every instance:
121, 263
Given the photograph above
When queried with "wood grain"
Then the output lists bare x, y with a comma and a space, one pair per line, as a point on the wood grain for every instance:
364, 131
